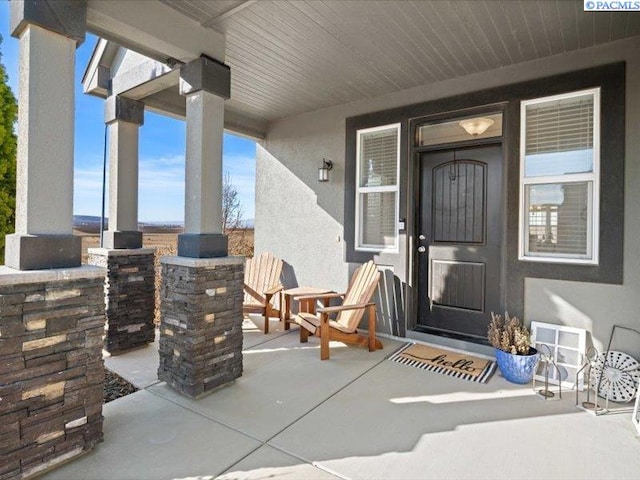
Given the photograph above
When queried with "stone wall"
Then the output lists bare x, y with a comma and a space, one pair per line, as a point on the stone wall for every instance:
129, 292
201, 323
51, 368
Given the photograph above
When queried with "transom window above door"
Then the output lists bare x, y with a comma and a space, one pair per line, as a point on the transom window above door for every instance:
461, 129
560, 181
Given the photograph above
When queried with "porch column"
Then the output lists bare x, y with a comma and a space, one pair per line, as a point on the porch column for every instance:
49, 33
206, 85
201, 311
52, 319
129, 287
124, 118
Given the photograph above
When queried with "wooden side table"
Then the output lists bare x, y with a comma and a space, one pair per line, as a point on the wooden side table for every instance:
308, 305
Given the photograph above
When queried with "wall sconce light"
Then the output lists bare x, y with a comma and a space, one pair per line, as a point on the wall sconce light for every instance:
476, 126
323, 171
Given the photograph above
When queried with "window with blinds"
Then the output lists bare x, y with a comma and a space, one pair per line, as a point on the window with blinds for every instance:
559, 178
378, 151
559, 137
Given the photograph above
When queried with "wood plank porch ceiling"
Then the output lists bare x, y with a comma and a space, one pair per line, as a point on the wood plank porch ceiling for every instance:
289, 57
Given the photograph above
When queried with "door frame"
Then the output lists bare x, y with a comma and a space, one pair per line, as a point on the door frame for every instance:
413, 192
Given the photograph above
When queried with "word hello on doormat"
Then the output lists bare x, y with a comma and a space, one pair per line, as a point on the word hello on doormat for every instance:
439, 360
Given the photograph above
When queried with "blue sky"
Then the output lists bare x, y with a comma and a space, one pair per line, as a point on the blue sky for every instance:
162, 146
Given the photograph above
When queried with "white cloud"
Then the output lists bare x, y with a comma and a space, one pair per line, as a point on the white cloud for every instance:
242, 170
86, 181
161, 187
161, 173
239, 162
87, 191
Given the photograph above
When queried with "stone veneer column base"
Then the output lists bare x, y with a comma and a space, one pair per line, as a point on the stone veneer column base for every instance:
129, 294
201, 323
51, 368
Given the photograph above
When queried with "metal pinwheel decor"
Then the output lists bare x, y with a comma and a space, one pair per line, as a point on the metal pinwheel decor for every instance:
616, 378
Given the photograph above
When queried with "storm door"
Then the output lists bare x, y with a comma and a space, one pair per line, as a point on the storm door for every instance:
460, 239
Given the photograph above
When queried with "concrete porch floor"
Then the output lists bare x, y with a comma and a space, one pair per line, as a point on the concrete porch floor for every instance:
357, 415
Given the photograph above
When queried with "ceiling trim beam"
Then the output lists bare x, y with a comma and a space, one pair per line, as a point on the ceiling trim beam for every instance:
153, 29
223, 16
129, 86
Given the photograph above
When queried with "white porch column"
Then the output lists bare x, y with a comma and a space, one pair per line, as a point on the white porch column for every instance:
204, 293
123, 117
51, 321
44, 197
205, 83
205, 123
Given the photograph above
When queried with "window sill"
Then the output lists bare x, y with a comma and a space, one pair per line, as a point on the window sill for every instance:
377, 250
556, 260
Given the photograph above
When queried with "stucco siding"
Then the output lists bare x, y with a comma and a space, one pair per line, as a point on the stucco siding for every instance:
298, 218
125, 60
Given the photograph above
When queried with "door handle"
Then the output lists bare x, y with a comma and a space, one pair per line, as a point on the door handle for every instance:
422, 249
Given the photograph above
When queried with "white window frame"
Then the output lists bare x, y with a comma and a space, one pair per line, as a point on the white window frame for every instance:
359, 245
593, 208
554, 346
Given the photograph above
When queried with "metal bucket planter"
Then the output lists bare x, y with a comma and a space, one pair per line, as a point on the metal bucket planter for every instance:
517, 368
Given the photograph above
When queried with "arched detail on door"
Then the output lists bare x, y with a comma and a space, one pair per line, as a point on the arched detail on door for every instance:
459, 202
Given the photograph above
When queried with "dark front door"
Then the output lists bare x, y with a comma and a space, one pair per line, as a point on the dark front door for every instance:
460, 239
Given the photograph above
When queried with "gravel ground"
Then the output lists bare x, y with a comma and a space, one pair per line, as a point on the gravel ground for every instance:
115, 386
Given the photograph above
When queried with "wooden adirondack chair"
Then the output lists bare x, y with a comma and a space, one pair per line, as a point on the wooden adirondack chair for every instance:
261, 283
356, 300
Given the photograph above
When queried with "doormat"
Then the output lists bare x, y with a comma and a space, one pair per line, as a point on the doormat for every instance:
455, 364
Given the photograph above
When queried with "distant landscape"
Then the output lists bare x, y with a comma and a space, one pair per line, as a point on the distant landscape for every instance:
91, 224
163, 236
